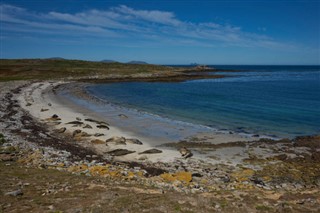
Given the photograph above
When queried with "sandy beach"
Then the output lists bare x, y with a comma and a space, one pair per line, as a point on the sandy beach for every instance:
42, 101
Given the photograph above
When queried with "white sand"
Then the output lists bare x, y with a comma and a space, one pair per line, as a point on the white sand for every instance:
39, 97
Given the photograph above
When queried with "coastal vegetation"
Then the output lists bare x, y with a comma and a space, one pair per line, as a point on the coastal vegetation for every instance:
96, 72
40, 69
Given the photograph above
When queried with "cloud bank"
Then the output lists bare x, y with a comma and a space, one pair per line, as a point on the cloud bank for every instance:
123, 22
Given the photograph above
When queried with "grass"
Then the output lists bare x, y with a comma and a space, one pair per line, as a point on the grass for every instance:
26, 69
263, 208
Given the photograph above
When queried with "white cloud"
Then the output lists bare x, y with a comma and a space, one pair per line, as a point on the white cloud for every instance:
122, 21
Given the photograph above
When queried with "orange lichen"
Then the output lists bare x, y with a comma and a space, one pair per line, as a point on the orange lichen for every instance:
98, 170
78, 168
243, 175
180, 176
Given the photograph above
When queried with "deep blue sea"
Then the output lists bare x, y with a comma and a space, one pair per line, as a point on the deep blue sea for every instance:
282, 101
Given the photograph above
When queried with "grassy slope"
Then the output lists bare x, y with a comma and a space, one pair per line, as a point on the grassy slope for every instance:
23, 69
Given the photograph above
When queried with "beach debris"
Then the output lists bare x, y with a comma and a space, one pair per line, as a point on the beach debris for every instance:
75, 122
28, 104
98, 141
61, 130
151, 151
122, 116
49, 104
117, 140
134, 141
15, 193
120, 152
98, 134
186, 153
43, 110
102, 126
87, 126
78, 119
76, 132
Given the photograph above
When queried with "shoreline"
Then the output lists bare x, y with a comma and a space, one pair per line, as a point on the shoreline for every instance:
263, 172
47, 103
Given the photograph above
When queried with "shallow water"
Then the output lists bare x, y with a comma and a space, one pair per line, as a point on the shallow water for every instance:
271, 100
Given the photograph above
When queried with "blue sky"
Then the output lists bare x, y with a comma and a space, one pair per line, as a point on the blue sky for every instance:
163, 32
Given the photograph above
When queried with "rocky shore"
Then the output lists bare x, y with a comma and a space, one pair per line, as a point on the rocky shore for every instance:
242, 176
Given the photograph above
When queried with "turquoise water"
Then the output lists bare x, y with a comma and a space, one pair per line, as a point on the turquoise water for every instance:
282, 101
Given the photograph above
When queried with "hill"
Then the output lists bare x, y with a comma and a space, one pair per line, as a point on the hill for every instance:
137, 62
23, 69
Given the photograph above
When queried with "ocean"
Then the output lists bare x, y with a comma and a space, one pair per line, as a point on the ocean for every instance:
278, 101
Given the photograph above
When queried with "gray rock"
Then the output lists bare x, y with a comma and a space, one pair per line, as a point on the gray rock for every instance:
15, 193
151, 151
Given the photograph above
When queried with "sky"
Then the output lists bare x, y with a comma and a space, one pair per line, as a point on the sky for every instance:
237, 32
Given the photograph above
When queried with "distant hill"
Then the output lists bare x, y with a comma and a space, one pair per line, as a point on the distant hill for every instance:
137, 62
56, 58
108, 61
